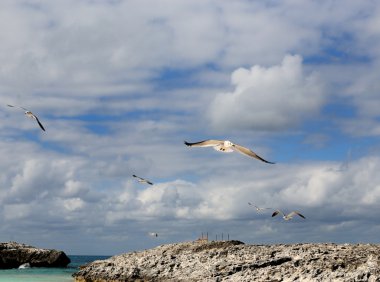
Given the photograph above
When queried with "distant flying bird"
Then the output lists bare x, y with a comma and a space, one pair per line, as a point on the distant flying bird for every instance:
259, 208
153, 234
226, 147
287, 216
142, 180
30, 114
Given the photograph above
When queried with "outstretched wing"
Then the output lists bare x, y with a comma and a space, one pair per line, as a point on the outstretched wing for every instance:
39, 123
248, 152
138, 177
293, 213
204, 143
253, 205
276, 213
17, 107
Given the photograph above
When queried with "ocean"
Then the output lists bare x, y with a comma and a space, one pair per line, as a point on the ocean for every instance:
47, 274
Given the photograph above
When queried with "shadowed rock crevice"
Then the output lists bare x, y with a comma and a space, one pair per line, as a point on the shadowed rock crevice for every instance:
216, 245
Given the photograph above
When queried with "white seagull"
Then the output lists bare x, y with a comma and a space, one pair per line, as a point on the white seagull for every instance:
226, 147
30, 114
153, 234
142, 180
287, 216
259, 208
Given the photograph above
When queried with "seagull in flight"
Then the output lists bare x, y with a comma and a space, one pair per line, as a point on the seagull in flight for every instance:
30, 115
259, 208
226, 146
287, 216
153, 234
142, 180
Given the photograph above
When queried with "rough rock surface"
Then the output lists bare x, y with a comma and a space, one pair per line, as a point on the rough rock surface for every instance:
235, 261
13, 254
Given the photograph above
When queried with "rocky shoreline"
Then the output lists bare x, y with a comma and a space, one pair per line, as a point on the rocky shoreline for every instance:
14, 255
235, 261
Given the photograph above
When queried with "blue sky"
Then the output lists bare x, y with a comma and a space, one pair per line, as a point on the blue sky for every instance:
119, 85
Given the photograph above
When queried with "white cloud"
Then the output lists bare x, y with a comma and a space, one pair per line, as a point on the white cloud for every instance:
329, 186
87, 49
274, 98
67, 54
73, 204
71, 197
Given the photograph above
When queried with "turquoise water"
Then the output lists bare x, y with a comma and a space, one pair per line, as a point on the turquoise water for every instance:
47, 274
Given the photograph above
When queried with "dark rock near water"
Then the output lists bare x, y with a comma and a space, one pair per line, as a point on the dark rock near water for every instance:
13, 255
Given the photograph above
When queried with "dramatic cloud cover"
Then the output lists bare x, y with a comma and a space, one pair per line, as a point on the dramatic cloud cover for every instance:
119, 85
277, 98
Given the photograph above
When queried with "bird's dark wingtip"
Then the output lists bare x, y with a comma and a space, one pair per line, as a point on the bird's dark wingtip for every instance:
263, 160
39, 123
42, 127
186, 143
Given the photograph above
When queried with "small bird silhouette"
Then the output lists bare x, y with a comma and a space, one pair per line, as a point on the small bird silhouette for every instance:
289, 215
142, 180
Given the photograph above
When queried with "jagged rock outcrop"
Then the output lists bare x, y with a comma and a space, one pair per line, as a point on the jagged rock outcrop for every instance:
13, 255
235, 261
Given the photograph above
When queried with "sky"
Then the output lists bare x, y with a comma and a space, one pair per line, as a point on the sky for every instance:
120, 85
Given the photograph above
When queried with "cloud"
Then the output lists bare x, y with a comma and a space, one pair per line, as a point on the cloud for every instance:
308, 186
69, 53
68, 195
333, 196
361, 98
274, 98
86, 49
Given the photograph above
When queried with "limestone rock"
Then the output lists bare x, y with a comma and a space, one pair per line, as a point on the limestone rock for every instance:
235, 261
13, 255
